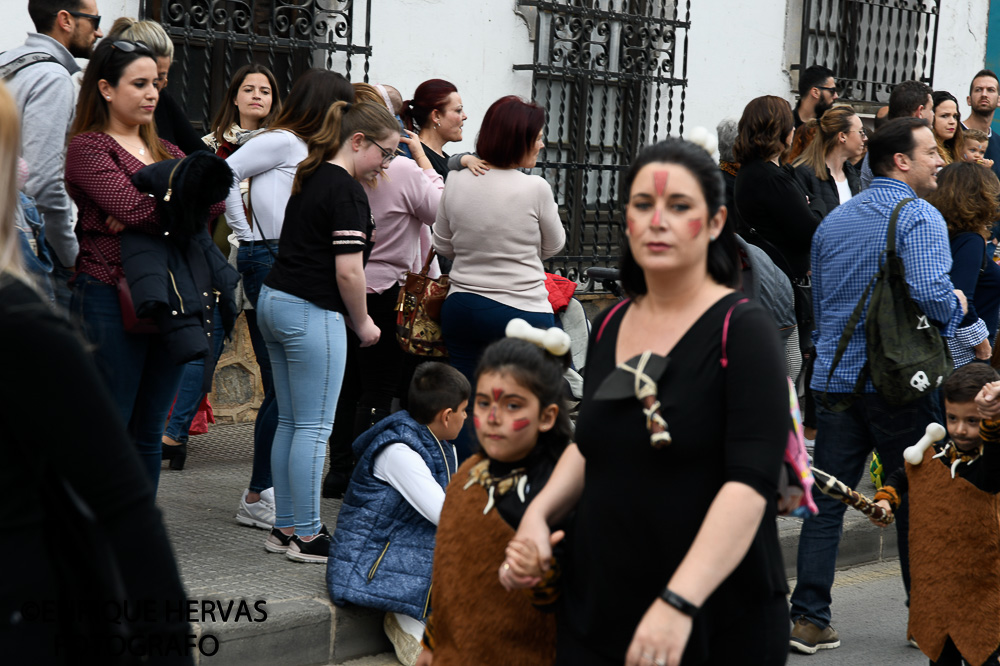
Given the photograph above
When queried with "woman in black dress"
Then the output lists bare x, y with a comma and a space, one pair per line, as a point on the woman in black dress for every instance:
673, 554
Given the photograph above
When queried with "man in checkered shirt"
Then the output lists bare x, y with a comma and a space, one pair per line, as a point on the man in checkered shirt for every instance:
846, 252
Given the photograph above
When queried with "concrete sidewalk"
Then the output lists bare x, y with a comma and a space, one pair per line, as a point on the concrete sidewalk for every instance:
222, 561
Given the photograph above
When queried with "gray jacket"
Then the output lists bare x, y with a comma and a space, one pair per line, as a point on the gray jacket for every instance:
46, 99
765, 283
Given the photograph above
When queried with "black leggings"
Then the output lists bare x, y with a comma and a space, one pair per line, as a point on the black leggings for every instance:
950, 656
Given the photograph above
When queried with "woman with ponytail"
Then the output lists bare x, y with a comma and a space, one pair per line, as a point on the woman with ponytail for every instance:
435, 114
270, 160
314, 291
824, 169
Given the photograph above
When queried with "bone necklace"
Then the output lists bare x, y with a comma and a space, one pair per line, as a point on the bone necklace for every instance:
957, 456
480, 474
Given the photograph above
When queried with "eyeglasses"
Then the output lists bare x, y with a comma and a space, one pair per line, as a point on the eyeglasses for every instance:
126, 46
387, 156
861, 131
94, 18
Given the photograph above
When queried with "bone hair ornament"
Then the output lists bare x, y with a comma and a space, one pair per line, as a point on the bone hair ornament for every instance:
934, 432
645, 390
554, 340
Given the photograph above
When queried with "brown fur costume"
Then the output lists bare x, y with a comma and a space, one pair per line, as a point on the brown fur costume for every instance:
474, 619
954, 562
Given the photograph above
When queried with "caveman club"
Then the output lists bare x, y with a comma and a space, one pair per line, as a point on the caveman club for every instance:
836, 489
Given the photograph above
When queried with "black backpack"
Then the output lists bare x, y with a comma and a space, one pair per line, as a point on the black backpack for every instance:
907, 356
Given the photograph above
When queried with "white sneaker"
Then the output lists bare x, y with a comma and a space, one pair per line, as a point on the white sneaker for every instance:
257, 514
267, 495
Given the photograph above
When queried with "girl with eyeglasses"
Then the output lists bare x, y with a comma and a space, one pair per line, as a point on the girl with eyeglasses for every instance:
314, 292
113, 137
269, 160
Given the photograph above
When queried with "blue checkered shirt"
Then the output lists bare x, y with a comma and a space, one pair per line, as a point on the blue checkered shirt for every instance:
846, 253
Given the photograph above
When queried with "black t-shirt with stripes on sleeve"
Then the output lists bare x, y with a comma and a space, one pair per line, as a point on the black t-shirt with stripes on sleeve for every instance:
330, 216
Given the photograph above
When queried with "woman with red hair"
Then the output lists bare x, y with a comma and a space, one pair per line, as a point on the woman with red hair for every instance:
498, 227
435, 114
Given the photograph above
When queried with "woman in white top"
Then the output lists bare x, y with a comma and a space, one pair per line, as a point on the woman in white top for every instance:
498, 227
270, 160
825, 169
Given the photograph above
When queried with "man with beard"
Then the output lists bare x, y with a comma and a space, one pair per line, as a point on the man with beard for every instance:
817, 93
39, 75
983, 98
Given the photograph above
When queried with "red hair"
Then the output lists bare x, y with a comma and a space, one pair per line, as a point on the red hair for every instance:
509, 130
429, 95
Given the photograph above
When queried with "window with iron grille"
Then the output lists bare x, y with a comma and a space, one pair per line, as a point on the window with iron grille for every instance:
871, 45
611, 76
214, 38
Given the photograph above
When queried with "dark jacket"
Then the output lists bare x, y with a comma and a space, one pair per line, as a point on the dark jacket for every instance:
776, 215
174, 275
383, 548
823, 195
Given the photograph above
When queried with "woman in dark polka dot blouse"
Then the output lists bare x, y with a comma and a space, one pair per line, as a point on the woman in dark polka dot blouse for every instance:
113, 137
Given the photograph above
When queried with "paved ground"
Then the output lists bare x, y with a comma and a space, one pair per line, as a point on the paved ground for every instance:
221, 560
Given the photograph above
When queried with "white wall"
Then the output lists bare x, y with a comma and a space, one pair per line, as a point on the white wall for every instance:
961, 46
472, 44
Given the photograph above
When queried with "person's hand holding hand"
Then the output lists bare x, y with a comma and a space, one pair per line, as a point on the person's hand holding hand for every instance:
888, 510
988, 401
660, 638
983, 350
426, 658
522, 567
477, 166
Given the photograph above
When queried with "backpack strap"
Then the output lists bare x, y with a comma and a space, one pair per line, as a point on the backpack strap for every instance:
724, 361
611, 314
17, 64
855, 318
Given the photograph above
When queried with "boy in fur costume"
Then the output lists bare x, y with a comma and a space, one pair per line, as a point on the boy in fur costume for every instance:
955, 526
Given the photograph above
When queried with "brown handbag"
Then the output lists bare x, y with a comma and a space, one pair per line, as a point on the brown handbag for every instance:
418, 313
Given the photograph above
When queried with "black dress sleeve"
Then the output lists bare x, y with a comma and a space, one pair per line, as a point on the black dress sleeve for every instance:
172, 124
756, 409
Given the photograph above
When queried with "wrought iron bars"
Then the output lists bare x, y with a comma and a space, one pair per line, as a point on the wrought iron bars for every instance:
213, 38
606, 72
871, 44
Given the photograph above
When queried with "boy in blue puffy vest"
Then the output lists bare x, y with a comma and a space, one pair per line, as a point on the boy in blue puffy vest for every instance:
383, 547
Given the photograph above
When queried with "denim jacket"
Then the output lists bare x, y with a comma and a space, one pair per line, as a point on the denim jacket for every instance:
383, 549
35, 251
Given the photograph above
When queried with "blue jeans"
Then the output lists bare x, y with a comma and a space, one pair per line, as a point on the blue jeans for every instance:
308, 348
469, 323
190, 394
254, 261
136, 368
843, 442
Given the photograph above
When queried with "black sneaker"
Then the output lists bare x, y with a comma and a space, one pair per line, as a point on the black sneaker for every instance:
277, 541
315, 550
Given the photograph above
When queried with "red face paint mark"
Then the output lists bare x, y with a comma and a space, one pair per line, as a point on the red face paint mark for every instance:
497, 393
695, 227
656, 219
493, 414
660, 181
520, 424
631, 224
475, 422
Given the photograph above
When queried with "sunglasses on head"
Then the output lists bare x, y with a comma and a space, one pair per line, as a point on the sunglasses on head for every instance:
126, 46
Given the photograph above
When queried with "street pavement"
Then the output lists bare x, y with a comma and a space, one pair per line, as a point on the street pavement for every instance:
870, 615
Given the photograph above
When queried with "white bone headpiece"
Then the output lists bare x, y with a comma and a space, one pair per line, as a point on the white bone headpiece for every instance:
554, 340
934, 432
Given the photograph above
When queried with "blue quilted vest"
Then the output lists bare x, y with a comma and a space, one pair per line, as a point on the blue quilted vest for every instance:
383, 549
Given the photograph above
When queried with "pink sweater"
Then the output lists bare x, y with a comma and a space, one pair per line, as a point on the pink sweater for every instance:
403, 203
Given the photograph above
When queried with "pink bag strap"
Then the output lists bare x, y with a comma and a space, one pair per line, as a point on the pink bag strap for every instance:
725, 330
611, 314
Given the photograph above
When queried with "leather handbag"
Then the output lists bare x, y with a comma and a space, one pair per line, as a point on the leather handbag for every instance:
418, 313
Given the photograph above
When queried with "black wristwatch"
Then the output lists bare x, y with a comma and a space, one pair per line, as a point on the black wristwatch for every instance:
679, 602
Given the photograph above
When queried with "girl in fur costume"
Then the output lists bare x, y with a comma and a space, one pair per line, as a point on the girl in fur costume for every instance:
523, 426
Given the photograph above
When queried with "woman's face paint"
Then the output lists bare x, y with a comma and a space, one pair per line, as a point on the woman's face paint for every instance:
694, 226
660, 182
